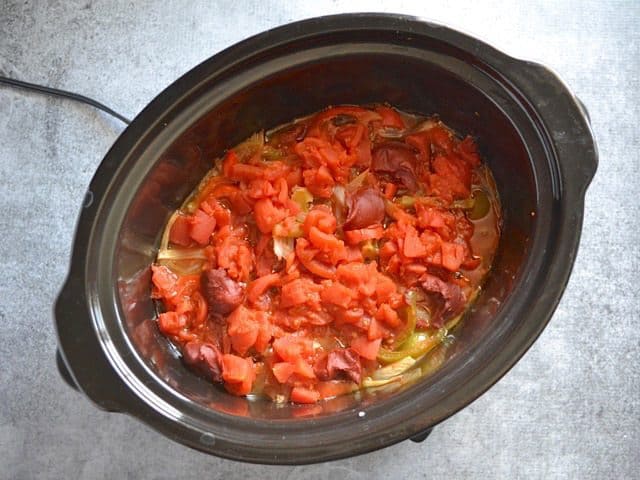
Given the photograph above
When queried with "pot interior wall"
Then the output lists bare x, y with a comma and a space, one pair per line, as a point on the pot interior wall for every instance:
411, 84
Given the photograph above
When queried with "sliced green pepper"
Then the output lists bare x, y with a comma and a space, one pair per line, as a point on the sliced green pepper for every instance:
370, 250
417, 345
270, 153
481, 205
410, 314
466, 204
434, 360
302, 197
407, 201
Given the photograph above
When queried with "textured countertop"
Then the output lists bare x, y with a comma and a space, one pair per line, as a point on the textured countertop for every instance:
569, 409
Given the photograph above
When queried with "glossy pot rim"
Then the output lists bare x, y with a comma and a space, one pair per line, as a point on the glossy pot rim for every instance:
88, 347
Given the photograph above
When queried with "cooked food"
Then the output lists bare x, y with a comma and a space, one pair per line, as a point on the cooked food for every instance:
335, 253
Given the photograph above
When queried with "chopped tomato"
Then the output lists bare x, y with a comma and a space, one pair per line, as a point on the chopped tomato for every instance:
375, 330
230, 159
324, 241
390, 190
291, 347
319, 181
282, 371
452, 256
304, 395
441, 138
180, 231
242, 329
387, 315
202, 226
351, 316
239, 203
234, 254
366, 348
385, 287
238, 373
235, 369
390, 117
267, 215
297, 292
336, 294
303, 369
283, 296
165, 281
353, 237
468, 150
413, 247
354, 274
265, 332
261, 188
334, 388
171, 323
307, 255
320, 217
260, 285
246, 172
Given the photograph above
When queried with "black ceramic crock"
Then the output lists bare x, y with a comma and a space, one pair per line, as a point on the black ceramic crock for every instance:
531, 130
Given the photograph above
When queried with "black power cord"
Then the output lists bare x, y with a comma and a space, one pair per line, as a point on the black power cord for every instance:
64, 94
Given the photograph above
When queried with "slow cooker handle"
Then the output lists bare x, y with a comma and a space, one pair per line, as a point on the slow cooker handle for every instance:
566, 120
80, 358
64, 372
422, 436
583, 107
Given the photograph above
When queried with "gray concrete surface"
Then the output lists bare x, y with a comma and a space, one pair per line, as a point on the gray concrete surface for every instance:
569, 409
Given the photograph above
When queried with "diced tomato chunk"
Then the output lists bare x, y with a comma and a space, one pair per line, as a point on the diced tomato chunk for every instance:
238, 373
413, 247
303, 369
319, 181
243, 329
265, 332
366, 348
336, 294
202, 226
282, 371
164, 280
390, 117
324, 241
306, 254
171, 323
321, 217
234, 369
291, 347
297, 292
180, 231
267, 215
375, 330
334, 388
304, 395
388, 315
452, 255
246, 172
260, 285
354, 237
390, 190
